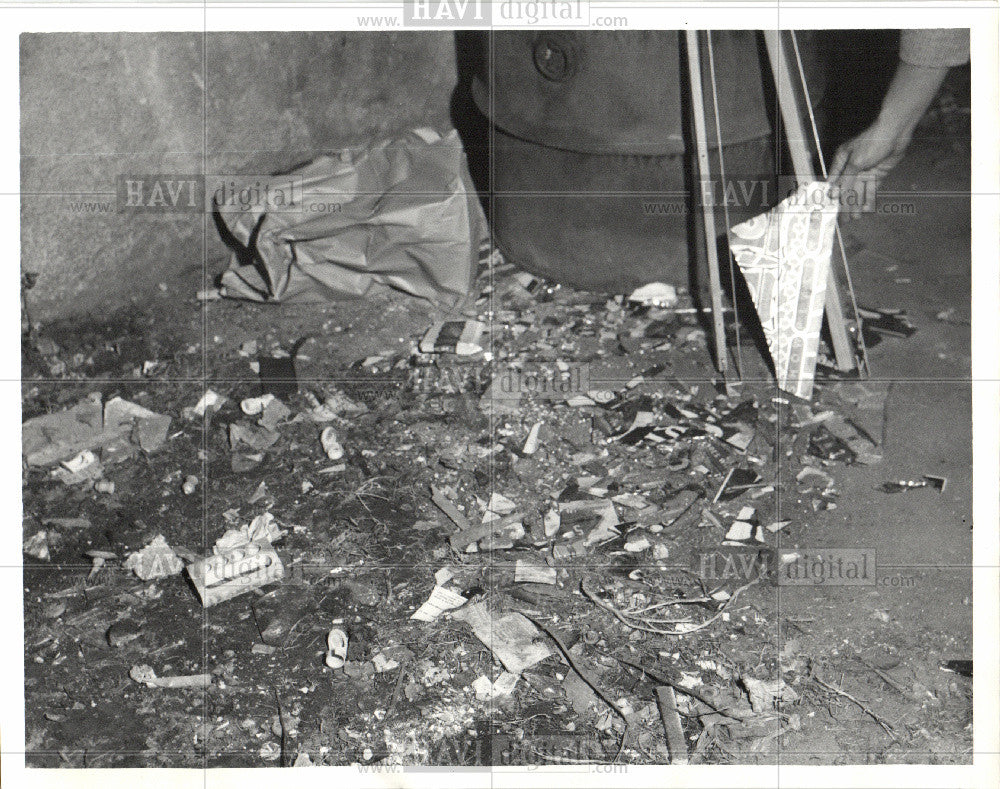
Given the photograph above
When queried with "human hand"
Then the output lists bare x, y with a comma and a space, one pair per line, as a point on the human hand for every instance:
861, 164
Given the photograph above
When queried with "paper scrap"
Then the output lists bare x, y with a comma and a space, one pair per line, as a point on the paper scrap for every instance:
655, 294
511, 638
503, 686
441, 599
531, 573
331, 444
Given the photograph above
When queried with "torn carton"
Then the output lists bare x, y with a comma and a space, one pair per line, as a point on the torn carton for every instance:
236, 571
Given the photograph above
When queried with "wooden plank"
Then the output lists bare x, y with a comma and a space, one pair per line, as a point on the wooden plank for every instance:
708, 212
798, 144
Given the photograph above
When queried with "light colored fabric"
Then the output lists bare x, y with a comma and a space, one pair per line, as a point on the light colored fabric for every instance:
935, 47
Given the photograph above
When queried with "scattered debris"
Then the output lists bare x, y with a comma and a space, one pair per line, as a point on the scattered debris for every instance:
531, 573
491, 689
336, 648
145, 675
440, 600
254, 406
37, 546
443, 503
331, 445
531, 442
51, 438
666, 701
458, 337
607, 481
235, 571
928, 481
253, 436
263, 527
511, 638
98, 558
82, 468
209, 403
766, 694
891, 322
655, 294
273, 414
156, 560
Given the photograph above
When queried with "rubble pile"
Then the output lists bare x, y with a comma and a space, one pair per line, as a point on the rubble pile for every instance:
547, 533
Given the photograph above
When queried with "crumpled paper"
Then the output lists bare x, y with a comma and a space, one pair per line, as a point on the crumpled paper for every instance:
784, 255
263, 527
156, 560
406, 216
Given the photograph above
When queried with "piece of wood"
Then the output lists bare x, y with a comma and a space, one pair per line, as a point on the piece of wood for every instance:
666, 702
707, 212
798, 143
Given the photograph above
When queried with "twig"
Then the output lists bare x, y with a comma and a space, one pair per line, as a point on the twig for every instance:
665, 680
624, 617
284, 726
585, 675
404, 670
886, 726
884, 677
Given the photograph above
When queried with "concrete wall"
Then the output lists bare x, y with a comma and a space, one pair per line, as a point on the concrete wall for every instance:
97, 105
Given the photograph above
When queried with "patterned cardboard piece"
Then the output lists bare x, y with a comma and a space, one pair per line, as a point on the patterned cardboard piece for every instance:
784, 256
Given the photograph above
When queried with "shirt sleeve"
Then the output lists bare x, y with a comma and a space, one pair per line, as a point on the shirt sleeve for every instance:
934, 47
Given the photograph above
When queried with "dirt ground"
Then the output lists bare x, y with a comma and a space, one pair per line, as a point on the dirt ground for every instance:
814, 674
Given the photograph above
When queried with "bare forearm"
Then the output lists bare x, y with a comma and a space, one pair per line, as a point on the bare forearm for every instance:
910, 93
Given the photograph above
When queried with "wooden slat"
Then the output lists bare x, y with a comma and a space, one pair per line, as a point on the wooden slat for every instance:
708, 212
798, 144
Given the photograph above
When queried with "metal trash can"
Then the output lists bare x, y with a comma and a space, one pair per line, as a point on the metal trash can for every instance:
591, 157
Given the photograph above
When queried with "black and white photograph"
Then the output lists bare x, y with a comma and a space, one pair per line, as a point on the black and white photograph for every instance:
452, 392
